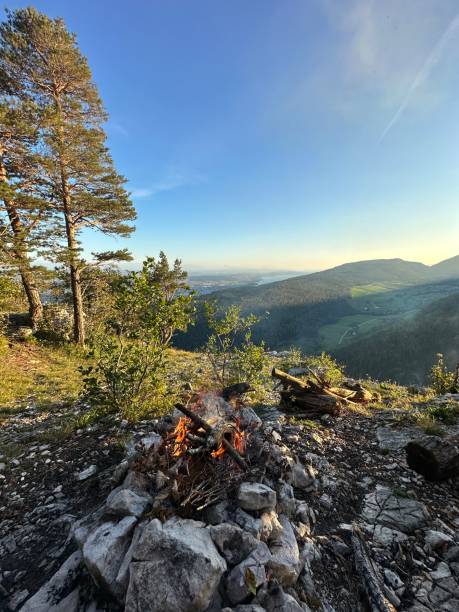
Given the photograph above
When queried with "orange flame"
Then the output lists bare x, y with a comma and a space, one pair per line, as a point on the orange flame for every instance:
180, 439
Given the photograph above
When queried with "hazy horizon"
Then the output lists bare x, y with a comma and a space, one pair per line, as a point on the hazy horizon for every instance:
291, 137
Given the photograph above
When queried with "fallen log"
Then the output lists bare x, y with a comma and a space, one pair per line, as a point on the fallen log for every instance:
379, 597
288, 379
435, 458
309, 387
324, 404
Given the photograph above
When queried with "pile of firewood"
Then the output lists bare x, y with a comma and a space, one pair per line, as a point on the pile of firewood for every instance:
314, 396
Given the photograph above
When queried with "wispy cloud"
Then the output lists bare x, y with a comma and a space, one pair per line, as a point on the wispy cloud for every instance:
381, 54
116, 128
429, 64
141, 193
173, 179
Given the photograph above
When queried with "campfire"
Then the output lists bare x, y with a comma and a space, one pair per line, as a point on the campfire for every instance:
203, 456
217, 436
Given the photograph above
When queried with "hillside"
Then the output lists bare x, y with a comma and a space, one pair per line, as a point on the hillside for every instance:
327, 310
406, 351
77, 496
446, 269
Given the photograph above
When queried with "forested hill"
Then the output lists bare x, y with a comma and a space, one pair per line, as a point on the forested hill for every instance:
405, 351
328, 310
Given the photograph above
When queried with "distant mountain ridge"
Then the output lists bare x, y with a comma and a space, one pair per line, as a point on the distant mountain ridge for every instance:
328, 310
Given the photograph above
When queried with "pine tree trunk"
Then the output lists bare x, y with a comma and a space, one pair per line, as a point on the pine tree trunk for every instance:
32, 293
21, 258
70, 229
75, 280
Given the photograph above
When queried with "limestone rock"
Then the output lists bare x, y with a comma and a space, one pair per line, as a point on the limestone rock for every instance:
248, 574
384, 536
285, 563
302, 477
286, 499
232, 542
383, 507
124, 502
436, 540
104, 550
52, 596
256, 496
270, 525
176, 568
273, 599
248, 523
87, 473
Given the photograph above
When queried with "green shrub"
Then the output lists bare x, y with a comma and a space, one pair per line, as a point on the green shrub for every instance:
233, 355
441, 379
323, 365
56, 325
129, 373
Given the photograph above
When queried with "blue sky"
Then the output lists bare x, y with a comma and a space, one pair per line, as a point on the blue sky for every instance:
267, 134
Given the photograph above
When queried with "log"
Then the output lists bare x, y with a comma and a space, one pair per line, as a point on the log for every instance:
324, 403
435, 458
379, 597
309, 387
232, 452
287, 379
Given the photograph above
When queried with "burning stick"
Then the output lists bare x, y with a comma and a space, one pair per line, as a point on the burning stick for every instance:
210, 432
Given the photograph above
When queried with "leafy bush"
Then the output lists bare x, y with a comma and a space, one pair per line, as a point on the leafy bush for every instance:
130, 357
233, 355
56, 324
324, 365
441, 379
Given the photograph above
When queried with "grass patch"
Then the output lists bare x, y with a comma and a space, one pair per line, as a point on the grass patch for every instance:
44, 375
432, 419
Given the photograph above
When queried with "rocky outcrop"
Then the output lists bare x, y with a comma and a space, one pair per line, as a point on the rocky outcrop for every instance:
175, 567
384, 507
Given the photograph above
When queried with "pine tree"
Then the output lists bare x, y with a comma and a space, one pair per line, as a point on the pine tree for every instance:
41, 61
25, 217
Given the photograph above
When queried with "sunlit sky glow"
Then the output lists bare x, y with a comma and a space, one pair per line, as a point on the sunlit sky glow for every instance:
284, 135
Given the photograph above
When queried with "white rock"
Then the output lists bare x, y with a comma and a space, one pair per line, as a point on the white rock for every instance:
383, 507
104, 551
232, 542
256, 496
153, 440
122, 578
393, 579
87, 473
270, 525
285, 563
249, 523
442, 571
49, 598
176, 568
302, 477
275, 600
286, 499
326, 501
125, 502
437, 539
249, 419
251, 570
384, 536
